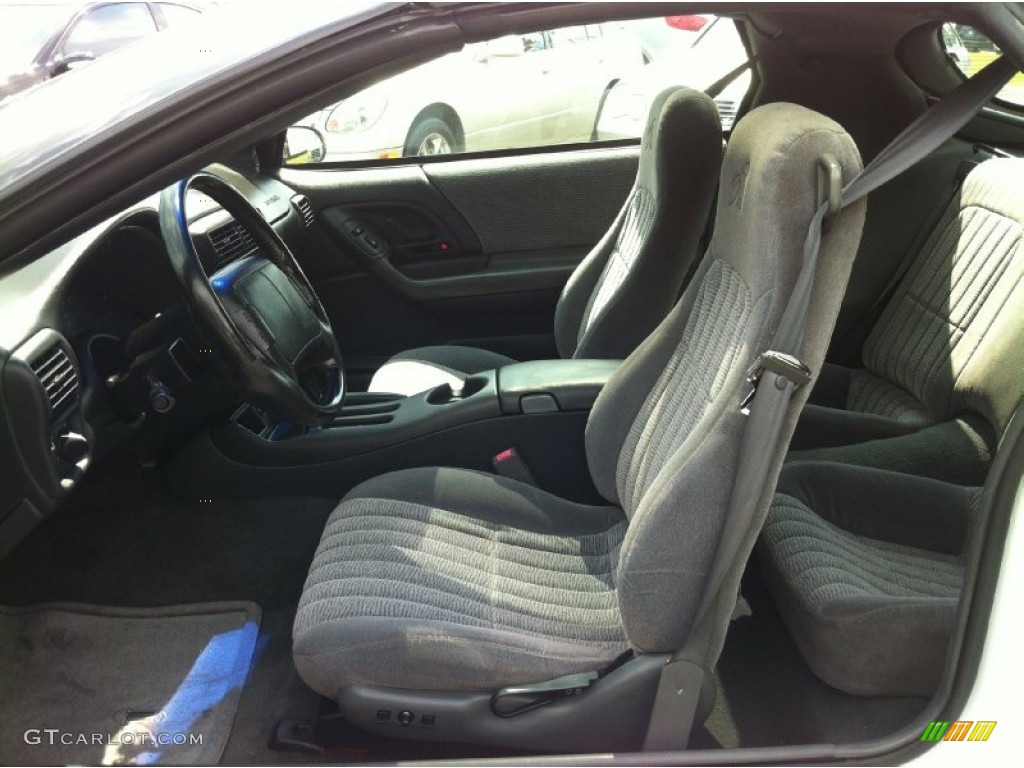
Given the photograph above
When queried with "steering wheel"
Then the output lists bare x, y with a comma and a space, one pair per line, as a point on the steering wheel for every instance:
260, 311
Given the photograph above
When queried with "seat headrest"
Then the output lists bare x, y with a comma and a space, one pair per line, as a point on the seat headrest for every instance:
769, 189
679, 120
996, 185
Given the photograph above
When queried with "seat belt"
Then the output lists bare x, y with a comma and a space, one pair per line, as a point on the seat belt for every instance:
775, 376
716, 88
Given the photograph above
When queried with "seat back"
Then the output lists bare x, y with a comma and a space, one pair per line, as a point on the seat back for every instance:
952, 335
632, 277
663, 440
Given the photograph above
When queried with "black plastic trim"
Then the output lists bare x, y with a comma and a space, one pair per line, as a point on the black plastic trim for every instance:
552, 443
611, 714
545, 149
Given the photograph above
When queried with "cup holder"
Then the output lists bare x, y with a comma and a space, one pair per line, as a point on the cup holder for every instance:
446, 394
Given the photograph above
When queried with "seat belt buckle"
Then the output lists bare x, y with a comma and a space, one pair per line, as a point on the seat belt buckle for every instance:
520, 699
509, 463
779, 363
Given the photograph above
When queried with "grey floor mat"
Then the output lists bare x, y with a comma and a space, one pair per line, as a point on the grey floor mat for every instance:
110, 686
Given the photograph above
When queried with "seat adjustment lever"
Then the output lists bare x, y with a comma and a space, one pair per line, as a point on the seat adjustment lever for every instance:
519, 699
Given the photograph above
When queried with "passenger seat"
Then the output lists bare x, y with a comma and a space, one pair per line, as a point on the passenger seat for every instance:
947, 354
866, 567
631, 279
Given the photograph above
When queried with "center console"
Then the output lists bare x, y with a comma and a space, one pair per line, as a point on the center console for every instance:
539, 407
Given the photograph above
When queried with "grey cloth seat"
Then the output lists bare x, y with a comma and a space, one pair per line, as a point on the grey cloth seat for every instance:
632, 277
462, 568
866, 567
446, 578
949, 343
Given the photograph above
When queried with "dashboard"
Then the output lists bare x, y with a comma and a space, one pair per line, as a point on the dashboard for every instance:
98, 348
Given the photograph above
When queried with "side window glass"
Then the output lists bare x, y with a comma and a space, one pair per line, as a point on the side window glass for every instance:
108, 28
970, 50
692, 51
593, 83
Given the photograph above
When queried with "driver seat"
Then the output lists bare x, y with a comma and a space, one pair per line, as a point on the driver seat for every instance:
438, 598
630, 280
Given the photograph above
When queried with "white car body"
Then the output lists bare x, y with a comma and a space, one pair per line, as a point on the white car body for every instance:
518, 91
698, 63
996, 691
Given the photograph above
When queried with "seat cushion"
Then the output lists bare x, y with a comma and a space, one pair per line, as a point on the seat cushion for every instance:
852, 405
418, 370
457, 580
871, 614
958, 451
874, 395
855, 417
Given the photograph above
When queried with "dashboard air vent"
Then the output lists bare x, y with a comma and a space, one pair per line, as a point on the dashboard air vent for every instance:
305, 209
57, 374
231, 242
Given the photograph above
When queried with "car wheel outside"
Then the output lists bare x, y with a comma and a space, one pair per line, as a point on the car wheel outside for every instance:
431, 136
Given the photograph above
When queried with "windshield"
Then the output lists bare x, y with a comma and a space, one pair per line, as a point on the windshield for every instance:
24, 29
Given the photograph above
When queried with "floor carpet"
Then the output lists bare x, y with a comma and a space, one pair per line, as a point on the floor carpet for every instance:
114, 686
124, 540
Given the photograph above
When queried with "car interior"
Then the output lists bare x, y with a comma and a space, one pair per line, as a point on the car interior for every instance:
540, 451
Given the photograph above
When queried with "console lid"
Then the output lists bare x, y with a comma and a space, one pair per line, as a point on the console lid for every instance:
545, 386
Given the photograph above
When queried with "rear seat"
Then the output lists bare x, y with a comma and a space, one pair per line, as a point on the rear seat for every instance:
943, 368
863, 548
866, 567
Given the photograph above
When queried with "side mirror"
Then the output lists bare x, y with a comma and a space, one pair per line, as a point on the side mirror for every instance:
66, 63
304, 145
503, 48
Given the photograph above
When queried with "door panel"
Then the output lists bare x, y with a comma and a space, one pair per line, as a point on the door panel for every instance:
517, 204
471, 251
